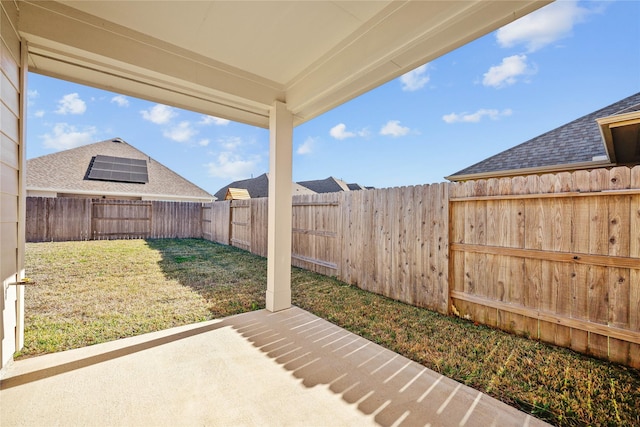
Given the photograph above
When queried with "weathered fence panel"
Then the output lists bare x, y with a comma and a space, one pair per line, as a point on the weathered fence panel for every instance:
56, 220
176, 220
315, 228
554, 257
69, 218
120, 219
241, 225
206, 218
395, 242
218, 216
259, 225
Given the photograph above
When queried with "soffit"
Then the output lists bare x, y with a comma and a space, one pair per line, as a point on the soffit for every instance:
621, 137
233, 59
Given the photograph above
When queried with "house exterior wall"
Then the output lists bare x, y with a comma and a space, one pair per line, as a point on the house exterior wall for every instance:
12, 151
37, 193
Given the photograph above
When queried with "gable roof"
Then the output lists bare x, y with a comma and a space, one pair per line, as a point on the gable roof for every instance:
257, 187
237, 194
355, 186
327, 185
65, 172
577, 144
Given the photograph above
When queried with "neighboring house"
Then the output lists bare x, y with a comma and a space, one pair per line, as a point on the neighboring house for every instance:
332, 185
605, 138
328, 185
110, 169
259, 187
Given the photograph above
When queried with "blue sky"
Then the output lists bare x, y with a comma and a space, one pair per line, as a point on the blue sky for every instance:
565, 60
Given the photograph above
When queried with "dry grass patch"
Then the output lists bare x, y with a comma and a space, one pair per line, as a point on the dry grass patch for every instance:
90, 292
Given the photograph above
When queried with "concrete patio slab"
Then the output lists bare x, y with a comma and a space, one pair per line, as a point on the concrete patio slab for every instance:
289, 368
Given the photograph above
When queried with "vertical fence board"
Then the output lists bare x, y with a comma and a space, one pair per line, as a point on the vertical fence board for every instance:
259, 222
580, 244
634, 277
598, 276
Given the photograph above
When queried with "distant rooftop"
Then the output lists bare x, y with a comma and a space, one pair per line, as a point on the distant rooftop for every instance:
259, 186
74, 171
578, 144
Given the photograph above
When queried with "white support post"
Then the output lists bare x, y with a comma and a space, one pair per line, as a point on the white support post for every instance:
280, 194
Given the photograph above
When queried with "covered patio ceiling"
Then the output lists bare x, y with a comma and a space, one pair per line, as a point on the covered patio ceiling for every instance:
234, 59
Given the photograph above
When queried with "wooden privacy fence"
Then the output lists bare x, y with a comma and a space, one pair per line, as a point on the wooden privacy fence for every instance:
315, 243
554, 257
393, 241
68, 218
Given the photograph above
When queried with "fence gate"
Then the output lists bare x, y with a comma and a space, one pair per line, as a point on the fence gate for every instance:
120, 219
241, 224
315, 224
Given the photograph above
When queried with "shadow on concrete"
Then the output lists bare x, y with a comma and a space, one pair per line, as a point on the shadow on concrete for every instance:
62, 368
381, 383
243, 370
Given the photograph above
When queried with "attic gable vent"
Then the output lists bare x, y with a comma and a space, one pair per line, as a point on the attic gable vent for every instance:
118, 169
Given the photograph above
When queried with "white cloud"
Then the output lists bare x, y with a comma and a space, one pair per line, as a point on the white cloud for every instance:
230, 143
477, 116
415, 79
393, 128
121, 100
180, 133
31, 96
203, 142
339, 131
211, 120
71, 104
159, 114
65, 136
544, 26
39, 114
507, 72
231, 166
307, 146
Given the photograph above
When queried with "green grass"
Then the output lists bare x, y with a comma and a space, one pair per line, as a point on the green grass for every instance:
97, 291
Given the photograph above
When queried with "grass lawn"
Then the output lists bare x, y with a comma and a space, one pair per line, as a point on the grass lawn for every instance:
97, 291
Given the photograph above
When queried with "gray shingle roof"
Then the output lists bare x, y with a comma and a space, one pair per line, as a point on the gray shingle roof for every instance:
575, 142
65, 172
257, 187
328, 185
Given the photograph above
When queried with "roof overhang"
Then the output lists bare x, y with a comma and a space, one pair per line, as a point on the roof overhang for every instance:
567, 167
99, 193
621, 137
234, 59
